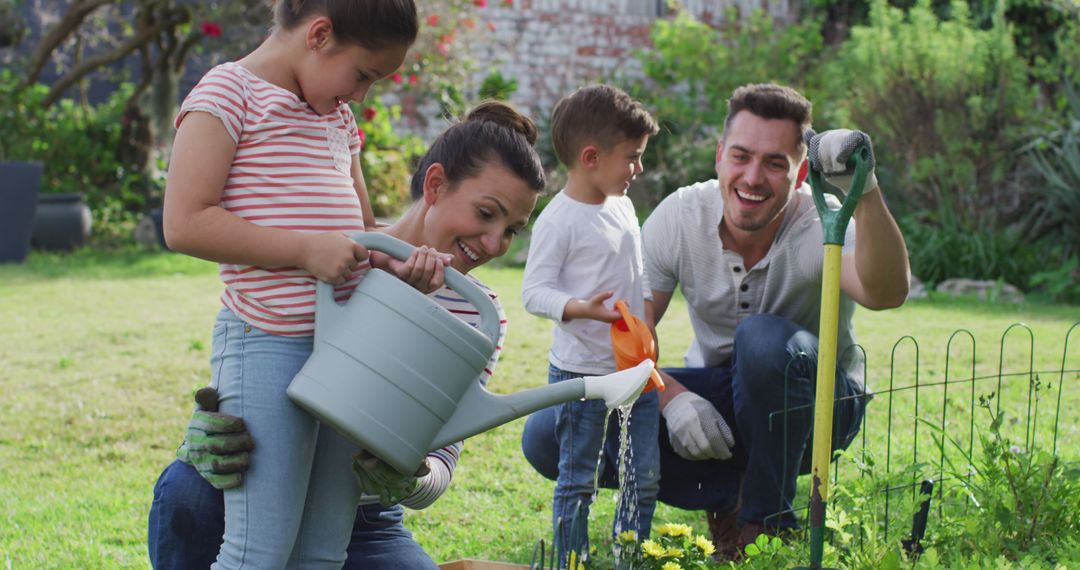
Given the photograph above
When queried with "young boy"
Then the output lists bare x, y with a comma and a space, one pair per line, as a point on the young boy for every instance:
585, 254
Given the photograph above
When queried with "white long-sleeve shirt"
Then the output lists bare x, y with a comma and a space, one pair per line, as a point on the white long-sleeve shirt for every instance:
577, 251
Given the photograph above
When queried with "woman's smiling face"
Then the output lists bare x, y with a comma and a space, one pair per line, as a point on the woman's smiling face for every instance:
476, 219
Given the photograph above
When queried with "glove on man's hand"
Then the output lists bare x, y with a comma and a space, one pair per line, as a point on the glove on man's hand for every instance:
216, 444
696, 428
829, 152
378, 478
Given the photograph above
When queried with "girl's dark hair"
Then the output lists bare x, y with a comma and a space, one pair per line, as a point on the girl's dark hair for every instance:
493, 132
373, 24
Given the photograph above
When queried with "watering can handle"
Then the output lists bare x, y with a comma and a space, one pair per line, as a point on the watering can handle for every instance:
489, 315
834, 222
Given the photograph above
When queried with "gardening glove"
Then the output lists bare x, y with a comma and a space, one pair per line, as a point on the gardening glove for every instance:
830, 151
379, 479
696, 429
216, 444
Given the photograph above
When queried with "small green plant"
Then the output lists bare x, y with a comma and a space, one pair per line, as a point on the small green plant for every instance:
675, 547
388, 156
497, 86
1023, 501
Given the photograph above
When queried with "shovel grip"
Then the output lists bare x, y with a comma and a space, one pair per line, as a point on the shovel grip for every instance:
489, 315
834, 222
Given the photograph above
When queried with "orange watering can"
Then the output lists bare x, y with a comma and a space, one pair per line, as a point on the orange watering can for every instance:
632, 342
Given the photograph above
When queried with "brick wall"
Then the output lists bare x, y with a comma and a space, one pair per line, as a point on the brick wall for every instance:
552, 47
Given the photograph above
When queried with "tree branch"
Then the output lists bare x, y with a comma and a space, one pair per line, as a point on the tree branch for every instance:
57, 35
142, 37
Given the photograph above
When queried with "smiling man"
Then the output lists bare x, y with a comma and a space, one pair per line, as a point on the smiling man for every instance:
745, 250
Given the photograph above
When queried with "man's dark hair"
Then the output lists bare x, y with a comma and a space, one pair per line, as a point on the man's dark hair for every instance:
771, 101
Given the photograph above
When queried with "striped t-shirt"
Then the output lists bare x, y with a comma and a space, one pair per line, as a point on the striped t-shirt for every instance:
292, 170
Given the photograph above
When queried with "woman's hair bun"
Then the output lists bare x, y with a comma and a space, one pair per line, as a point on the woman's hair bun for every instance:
503, 114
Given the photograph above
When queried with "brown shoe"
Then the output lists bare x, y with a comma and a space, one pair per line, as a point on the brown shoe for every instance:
724, 529
749, 532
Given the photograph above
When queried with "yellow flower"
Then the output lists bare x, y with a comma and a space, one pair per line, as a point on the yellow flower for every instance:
705, 545
572, 563
651, 548
673, 529
628, 536
673, 552
671, 566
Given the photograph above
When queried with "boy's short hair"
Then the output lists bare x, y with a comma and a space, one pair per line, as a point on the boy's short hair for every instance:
600, 115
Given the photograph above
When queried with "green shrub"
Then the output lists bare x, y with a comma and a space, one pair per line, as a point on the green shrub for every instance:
947, 105
388, 157
1054, 211
947, 250
692, 70
76, 143
1022, 501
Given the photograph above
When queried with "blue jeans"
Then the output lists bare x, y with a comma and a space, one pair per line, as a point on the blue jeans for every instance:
187, 522
299, 498
579, 431
759, 479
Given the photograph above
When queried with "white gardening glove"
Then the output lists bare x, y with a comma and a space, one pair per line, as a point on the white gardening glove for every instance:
829, 152
696, 429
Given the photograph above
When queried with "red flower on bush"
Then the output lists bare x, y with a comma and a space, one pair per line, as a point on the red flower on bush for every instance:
396, 78
480, 3
413, 79
363, 136
211, 29
369, 113
433, 20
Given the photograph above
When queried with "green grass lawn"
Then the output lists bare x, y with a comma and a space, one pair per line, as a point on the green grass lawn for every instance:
101, 353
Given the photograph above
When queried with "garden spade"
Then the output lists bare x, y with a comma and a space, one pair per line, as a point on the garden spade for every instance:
834, 224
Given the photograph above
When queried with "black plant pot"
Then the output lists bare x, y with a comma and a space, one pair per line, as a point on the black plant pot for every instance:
19, 185
62, 222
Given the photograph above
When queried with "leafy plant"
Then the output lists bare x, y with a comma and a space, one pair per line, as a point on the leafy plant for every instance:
1054, 209
944, 248
387, 158
1061, 283
686, 94
947, 104
496, 86
1024, 499
77, 144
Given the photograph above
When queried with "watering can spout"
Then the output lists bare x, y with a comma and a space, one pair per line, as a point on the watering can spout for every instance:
480, 410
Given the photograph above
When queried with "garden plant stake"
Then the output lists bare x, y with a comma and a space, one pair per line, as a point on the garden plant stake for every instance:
834, 225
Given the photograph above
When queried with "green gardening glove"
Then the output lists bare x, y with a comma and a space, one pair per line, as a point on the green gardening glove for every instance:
378, 478
216, 444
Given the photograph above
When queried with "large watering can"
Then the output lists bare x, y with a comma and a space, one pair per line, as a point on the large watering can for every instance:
398, 374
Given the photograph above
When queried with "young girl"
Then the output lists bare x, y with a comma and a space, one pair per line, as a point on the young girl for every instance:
265, 179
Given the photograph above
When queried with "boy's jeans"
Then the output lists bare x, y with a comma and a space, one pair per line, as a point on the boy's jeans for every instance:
579, 428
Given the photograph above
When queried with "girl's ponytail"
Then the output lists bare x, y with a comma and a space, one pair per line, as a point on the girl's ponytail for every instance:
492, 132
